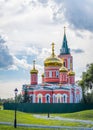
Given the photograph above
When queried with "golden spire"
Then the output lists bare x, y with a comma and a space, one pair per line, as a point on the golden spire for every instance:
53, 54
64, 30
34, 64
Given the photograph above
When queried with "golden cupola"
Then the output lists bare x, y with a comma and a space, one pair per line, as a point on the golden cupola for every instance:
63, 68
34, 70
53, 60
71, 73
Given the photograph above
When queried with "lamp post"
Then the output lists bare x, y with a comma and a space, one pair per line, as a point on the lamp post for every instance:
15, 122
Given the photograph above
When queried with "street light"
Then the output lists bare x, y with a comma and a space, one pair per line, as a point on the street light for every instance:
15, 91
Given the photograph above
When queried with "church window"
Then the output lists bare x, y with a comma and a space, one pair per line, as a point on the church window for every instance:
39, 99
64, 98
47, 99
50, 74
57, 74
45, 74
64, 64
54, 99
58, 99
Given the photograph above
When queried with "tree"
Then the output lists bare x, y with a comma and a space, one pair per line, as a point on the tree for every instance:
25, 96
87, 84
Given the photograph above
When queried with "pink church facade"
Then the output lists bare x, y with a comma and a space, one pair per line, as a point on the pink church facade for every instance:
58, 80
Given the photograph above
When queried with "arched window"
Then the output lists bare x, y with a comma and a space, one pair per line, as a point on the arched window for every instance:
54, 98
45, 74
64, 98
47, 98
58, 98
39, 98
50, 74
57, 74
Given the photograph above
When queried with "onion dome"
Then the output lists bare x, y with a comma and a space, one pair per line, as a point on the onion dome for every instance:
42, 75
34, 71
63, 68
53, 60
71, 73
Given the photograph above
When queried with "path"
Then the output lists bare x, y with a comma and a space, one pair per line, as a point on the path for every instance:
64, 119
45, 126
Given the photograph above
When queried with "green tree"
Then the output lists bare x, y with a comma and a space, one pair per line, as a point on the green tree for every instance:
87, 84
25, 96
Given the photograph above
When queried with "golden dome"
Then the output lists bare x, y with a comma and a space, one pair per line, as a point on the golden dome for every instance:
53, 60
34, 71
71, 73
42, 75
63, 68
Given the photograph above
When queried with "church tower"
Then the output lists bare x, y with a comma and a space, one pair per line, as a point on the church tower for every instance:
65, 53
52, 65
34, 75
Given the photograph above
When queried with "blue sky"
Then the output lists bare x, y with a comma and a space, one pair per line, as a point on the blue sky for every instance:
27, 29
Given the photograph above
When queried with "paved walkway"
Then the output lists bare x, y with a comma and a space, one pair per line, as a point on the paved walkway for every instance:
45, 126
64, 119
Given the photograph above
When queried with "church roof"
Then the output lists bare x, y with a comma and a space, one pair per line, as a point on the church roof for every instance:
64, 49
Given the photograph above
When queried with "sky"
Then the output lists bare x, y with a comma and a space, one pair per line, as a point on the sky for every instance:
27, 29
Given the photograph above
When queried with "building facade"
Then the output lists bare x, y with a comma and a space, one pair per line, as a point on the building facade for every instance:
58, 80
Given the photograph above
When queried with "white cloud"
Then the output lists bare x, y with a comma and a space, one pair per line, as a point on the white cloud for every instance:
7, 88
6, 59
21, 63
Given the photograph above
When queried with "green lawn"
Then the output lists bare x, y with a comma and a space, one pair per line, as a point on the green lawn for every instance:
84, 115
4, 127
8, 116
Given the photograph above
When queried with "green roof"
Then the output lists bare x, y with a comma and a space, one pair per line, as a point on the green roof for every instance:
64, 49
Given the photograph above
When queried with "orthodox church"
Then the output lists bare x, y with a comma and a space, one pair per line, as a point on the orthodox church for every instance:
58, 80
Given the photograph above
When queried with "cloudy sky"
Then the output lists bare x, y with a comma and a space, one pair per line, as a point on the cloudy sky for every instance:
27, 29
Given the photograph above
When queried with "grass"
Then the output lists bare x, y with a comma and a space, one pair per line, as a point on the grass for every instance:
83, 115
1, 107
4, 127
25, 118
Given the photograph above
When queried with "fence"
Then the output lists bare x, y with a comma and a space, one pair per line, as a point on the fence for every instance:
48, 108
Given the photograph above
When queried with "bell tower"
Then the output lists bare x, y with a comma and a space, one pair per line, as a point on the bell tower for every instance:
65, 52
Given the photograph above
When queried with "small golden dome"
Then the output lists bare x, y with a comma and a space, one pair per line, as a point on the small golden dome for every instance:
42, 75
53, 60
34, 71
71, 73
63, 68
